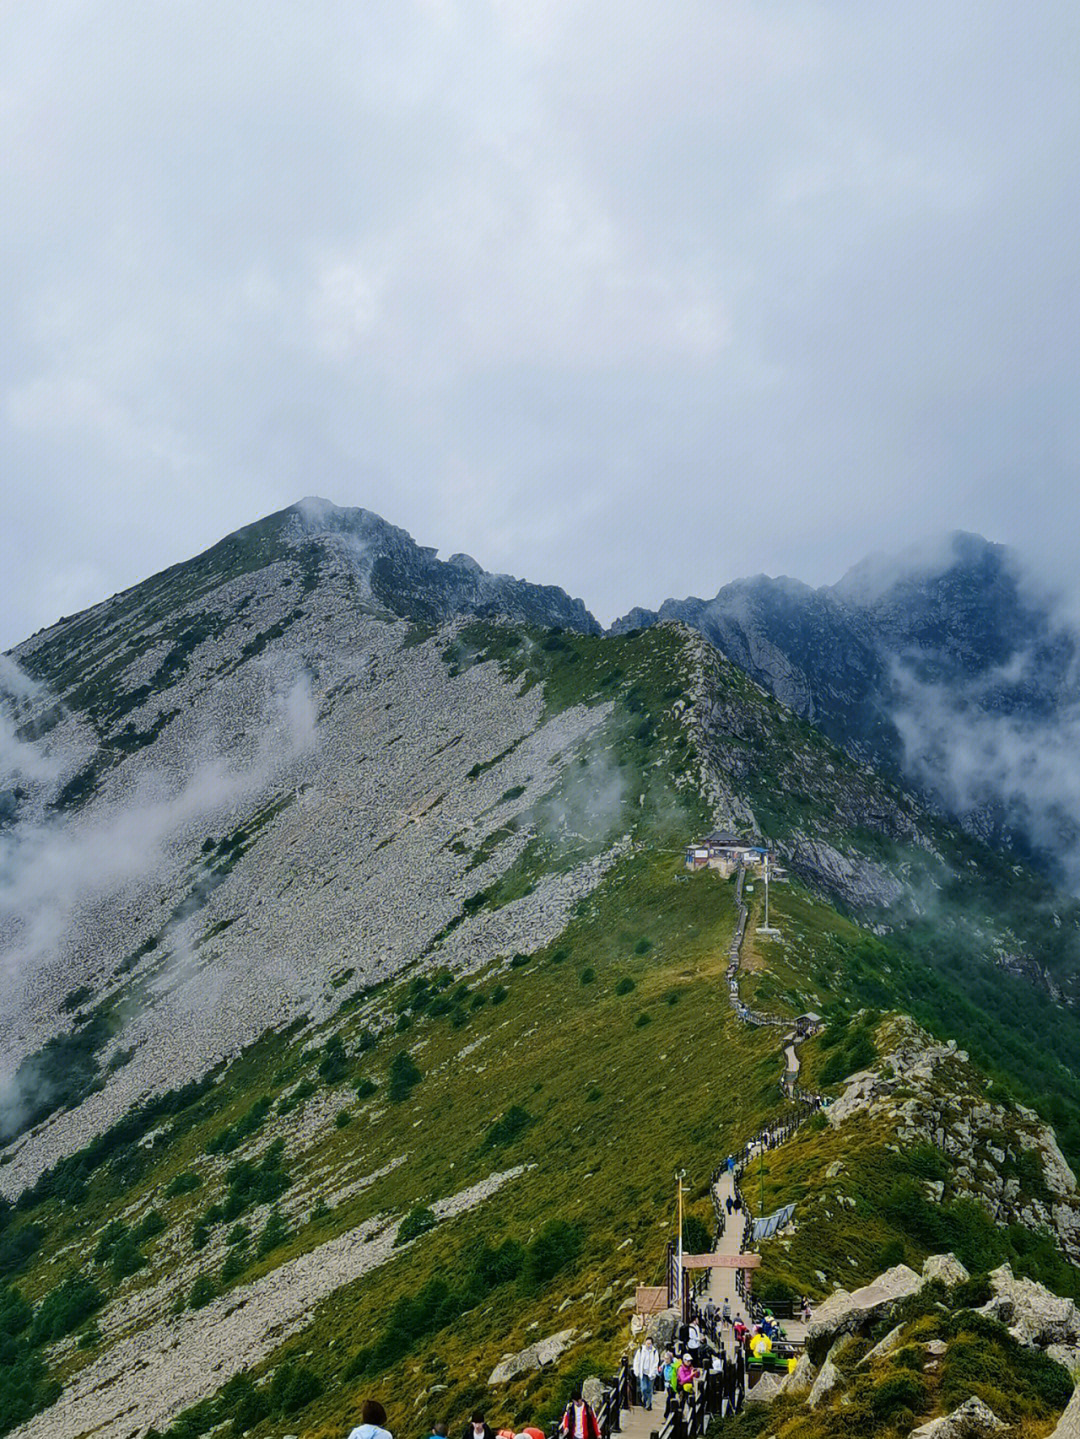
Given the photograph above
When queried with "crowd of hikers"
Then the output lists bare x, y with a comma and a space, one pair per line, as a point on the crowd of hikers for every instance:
579, 1421
709, 1358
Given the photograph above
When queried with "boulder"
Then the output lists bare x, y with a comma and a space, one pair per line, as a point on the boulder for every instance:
1067, 1355
1032, 1314
801, 1379
945, 1267
828, 1379
1068, 1426
970, 1420
661, 1330
593, 1392
765, 1390
844, 1313
883, 1346
533, 1356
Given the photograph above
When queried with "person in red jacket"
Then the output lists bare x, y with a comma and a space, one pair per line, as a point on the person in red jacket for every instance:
579, 1421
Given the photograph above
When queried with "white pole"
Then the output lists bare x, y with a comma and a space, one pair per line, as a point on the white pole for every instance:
679, 1271
766, 889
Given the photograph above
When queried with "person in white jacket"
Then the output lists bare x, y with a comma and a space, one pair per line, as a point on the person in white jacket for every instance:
646, 1361
372, 1422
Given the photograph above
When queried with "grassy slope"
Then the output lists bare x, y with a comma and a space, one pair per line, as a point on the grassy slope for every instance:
617, 1105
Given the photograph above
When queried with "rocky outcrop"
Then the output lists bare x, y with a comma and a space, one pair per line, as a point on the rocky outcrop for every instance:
1068, 1426
533, 1356
765, 1390
944, 1267
858, 881
927, 1093
970, 1420
829, 1379
1035, 1316
883, 1346
844, 1313
801, 1379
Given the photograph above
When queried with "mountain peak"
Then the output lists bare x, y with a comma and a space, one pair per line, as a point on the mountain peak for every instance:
881, 573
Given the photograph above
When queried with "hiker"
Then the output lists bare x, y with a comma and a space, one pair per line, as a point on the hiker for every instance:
806, 1309
729, 1205
438, 1431
645, 1362
477, 1428
579, 1421
686, 1375
710, 1311
727, 1311
372, 1422
693, 1341
671, 1381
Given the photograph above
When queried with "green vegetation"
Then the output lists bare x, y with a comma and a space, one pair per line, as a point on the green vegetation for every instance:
418, 1221
403, 1077
680, 1079
510, 1127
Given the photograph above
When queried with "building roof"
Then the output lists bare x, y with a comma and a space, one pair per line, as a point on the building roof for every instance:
723, 837
811, 1016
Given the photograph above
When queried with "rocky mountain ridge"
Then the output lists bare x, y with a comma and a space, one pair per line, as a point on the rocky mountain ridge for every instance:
336, 907
919, 668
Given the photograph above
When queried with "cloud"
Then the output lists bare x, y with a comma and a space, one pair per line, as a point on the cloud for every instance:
517, 275
1013, 776
52, 871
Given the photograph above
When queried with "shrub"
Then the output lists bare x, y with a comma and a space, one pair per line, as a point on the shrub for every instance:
404, 1076
518, 961
642, 1020
65, 1308
238, 1234
513, 1124
126, 1258
499, 993
342, 1119
366, 1088
110, 1237
19, 1247
557, 1245
625, 985
234, 1264
404, 1022
899, 1391
275, 1233
418, 1221
334, 1064
593, 1094
182, 1183
695, 1235
293, 1387
251, 1184
202, 1291
230, 1138
150, 1224
588, 974
643, 946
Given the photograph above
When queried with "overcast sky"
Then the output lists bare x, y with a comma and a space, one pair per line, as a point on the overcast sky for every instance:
631, 298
